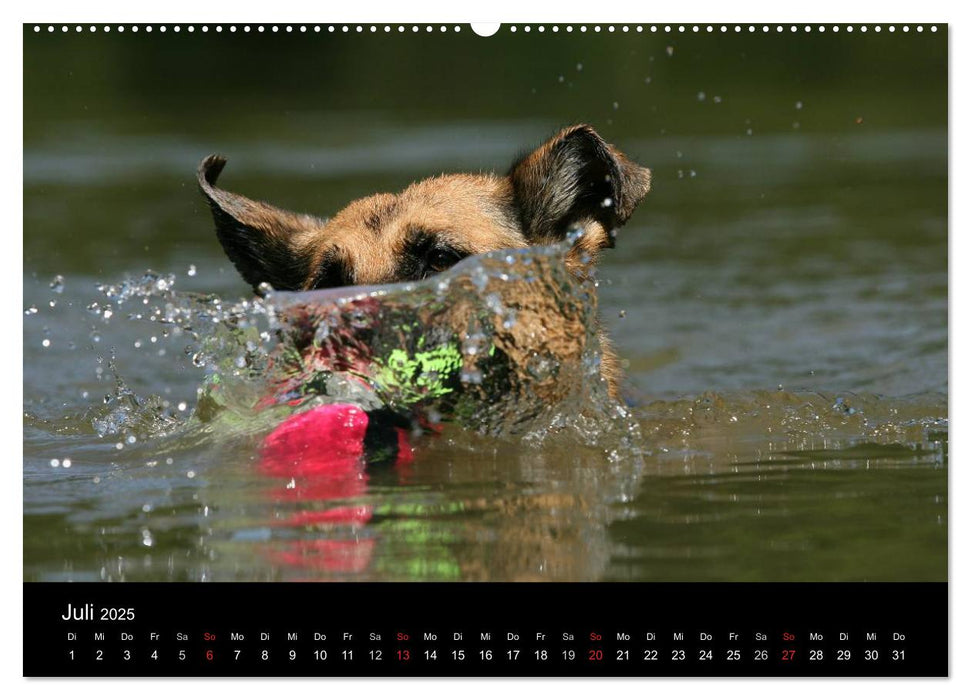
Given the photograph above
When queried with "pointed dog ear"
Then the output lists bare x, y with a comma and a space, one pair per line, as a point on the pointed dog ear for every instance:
574, 178
257, 237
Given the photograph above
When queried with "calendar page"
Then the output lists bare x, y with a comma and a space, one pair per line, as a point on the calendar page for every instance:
536, 349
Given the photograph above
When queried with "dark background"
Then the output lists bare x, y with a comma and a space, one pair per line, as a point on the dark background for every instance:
114, 124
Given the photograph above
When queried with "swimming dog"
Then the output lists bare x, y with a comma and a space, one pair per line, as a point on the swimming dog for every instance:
574, 183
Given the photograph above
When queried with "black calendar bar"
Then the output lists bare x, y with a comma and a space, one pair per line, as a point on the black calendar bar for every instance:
427, 629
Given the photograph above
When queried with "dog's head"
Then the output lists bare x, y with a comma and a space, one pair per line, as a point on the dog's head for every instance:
574, 181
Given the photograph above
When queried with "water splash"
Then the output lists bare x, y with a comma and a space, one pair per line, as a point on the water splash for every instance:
129, 416
504, 344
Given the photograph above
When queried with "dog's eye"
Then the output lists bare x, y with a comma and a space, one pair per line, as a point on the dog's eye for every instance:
440, 259
426, 254
333, 272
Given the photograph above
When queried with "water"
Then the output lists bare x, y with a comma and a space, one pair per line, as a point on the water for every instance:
779, 302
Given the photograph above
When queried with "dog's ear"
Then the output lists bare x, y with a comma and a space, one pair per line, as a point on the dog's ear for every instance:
260, 239
574, 178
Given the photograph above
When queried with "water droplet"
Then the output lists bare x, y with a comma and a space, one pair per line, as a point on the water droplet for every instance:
474, 343
579, 67
57, 284
540, 366
669, 50
55, 462
46, 342
616, 105
191, 271
182, 405
574, 235
799, 105
472, 376
494, 303
66, 463
480, 278
131, 439
190, 474
701, 97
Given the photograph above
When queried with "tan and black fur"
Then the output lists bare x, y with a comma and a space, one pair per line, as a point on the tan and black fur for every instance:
573, 181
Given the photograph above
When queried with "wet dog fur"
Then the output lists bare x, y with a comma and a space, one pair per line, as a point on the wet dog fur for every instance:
574, 181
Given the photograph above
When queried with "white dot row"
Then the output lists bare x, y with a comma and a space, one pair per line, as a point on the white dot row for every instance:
345, 28
709, 28
303, 28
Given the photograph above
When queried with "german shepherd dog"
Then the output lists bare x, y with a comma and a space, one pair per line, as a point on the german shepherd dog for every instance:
574, 182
